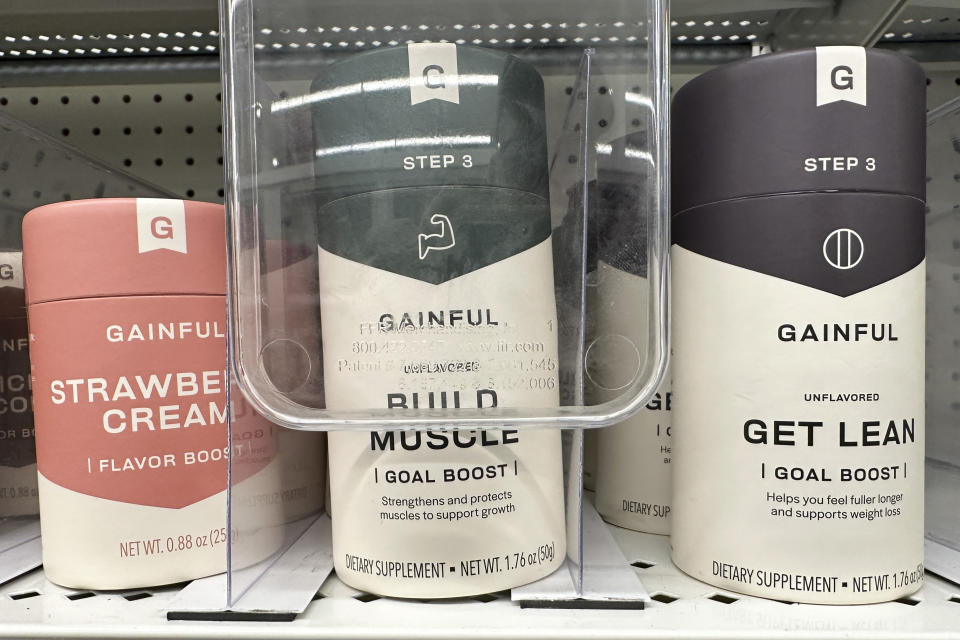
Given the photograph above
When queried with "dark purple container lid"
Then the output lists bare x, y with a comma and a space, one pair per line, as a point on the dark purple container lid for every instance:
754, 127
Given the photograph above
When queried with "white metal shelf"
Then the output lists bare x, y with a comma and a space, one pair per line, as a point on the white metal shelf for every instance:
682, 608
104, 29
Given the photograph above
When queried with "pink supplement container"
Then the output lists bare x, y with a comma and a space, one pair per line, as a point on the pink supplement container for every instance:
126, 307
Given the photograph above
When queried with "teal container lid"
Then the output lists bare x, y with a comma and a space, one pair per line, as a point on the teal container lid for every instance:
428, 114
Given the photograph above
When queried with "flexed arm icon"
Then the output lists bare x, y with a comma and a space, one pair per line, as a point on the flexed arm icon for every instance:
437, 241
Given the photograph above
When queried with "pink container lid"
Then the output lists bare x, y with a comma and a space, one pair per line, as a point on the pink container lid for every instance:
124, 247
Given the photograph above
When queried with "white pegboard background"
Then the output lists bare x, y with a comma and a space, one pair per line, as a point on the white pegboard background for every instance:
167, 134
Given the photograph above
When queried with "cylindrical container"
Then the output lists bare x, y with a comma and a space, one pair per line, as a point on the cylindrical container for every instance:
290, 332
798, 325
126, 304
291, 358
436, 291
18, 458
633, 458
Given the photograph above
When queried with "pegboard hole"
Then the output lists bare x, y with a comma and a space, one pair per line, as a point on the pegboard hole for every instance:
189, 162
188, 97
158, 162
640, 564
219, 97
157, 97
83, 595
568, 91
957, 80
220, 192
95, 99
220, 160
719, 597
34, 100
64, 99
635, 122
64, 132
127, 131
219, 128
189, 129
24, 595
664, 598
190, 193
602, 91
158, 130
955, 599
602, 123
126, 98
908, 601
95, 131
127, 162
3, 102
6, 193
36, 195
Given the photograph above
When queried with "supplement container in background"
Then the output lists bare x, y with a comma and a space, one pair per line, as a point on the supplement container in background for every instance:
127, 323
291, 354
291, 358
798, 326
18, 458
435, 262
590, 460
632, 458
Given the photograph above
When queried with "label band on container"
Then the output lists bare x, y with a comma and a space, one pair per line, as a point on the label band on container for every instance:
841, 75
161, 224
11, 269
433, 72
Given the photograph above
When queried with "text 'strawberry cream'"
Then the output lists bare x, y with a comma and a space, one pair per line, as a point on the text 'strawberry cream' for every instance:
437, 291
126, 303
798, 325
633, 458
18, 458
